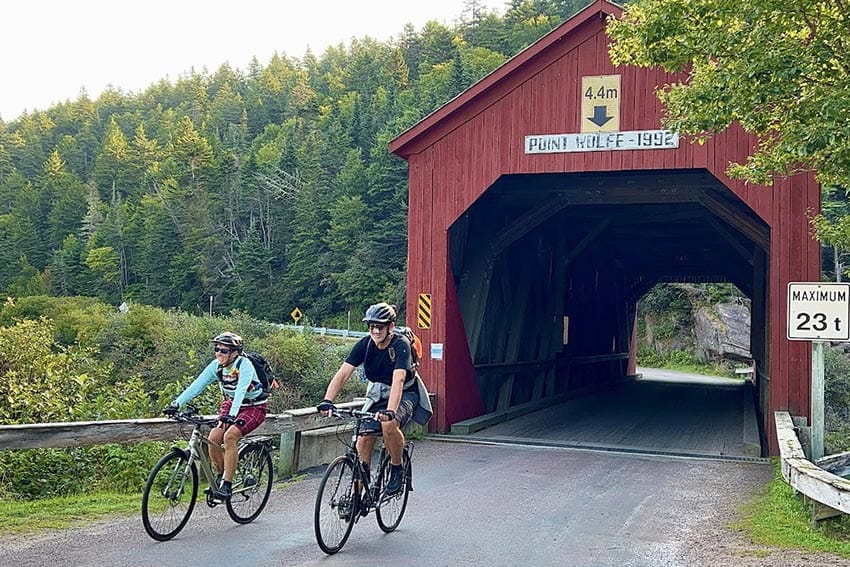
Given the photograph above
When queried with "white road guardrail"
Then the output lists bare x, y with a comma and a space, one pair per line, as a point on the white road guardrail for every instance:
345, 333
829, 492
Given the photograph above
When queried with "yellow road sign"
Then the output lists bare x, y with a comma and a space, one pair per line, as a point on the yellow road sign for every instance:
423, 312
296, 315
600, 103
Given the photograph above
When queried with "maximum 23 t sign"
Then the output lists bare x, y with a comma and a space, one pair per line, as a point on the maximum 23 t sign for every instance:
818, 311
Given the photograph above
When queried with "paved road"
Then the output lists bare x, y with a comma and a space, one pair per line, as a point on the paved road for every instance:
473, 505
664, 412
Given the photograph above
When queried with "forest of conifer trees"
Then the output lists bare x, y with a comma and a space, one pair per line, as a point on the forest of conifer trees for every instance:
256, 190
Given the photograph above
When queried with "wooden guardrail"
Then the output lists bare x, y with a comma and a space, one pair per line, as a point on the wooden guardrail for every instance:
829, 493
288, 425
82, 433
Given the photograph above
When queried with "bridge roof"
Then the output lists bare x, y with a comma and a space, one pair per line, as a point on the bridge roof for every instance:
458, 108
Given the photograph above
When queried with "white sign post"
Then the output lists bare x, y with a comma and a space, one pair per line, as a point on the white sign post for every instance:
818, 312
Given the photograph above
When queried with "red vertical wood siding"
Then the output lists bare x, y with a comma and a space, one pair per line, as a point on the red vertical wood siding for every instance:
459, 151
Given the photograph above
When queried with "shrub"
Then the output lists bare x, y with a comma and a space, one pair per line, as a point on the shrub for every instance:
43, 381
836, 400
304, 364
75, 319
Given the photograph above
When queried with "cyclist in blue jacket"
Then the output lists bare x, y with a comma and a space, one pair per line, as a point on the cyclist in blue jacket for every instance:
243, 399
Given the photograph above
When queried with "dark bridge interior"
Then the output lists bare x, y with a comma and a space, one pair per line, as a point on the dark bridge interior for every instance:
549, 269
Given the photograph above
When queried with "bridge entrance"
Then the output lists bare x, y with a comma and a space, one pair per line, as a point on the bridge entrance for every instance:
549, 270
526, 260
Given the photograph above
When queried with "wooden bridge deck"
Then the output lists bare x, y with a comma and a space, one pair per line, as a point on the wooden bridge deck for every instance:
663, 412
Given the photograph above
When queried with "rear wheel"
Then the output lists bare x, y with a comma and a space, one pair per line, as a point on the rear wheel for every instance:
169, 496
390, 509
337, 505
252, 484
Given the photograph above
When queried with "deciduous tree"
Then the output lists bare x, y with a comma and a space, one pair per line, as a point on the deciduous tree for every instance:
781, 69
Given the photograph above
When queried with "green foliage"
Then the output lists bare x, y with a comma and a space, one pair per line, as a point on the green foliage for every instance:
33, 516
75, 319
665, 326
40, 473
792, 89
127, 365
303, 365
667, 298
43, 381
263, 191
836, 400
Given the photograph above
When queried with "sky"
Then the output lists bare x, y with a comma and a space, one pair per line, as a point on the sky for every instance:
51, 49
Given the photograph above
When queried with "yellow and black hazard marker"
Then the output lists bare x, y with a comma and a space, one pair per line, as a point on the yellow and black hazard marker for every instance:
423, 312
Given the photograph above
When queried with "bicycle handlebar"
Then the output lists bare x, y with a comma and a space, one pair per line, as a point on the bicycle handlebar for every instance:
190, 416
351, 412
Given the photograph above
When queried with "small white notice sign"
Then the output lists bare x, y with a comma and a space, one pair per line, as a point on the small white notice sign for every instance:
818, 311
437, 351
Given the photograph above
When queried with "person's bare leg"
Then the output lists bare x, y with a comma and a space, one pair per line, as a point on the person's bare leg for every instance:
231, 452
393, 440
216, 455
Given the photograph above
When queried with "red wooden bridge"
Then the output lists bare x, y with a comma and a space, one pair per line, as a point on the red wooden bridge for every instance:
546, 200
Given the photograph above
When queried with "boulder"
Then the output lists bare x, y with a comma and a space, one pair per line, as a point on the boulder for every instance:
723, 332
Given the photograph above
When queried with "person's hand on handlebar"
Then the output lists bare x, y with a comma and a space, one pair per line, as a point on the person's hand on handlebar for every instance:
326, 407
171, 410
385, 415
227, 419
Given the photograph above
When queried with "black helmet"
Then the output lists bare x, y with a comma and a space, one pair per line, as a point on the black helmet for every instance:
229, 339
380, 313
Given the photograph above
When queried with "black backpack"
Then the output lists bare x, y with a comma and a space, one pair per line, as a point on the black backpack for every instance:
414, 342
263, 369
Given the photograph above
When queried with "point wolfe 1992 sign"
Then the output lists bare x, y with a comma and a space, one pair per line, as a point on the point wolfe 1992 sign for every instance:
601, 141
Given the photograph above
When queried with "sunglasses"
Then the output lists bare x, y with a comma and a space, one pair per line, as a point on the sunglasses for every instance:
223, 350
377, 326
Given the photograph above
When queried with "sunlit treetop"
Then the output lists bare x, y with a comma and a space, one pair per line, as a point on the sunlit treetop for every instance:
781, 69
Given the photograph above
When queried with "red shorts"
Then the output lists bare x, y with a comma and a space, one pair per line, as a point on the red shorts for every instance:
253, 416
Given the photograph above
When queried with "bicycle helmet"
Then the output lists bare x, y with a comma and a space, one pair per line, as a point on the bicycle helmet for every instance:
380, 313
229, 339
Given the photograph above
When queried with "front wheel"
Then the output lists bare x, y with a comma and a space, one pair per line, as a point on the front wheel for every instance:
390, 509
337, 505
252, 484
169, 496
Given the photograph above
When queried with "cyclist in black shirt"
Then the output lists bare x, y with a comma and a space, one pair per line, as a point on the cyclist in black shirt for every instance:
387, 363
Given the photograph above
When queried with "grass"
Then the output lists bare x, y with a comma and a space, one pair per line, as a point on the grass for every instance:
64, 512
682, 361
779, 518
33, 516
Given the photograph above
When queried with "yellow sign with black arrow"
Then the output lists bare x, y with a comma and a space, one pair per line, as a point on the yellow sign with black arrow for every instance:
600, 103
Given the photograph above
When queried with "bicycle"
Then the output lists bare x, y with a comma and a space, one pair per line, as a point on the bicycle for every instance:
172, 487
341, 500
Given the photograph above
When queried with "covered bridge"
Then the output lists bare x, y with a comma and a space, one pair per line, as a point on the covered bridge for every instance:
545, 200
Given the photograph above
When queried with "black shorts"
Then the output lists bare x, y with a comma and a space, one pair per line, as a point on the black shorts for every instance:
409, 401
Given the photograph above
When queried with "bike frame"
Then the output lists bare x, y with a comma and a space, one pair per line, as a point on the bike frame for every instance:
198, 440
344, 497
197, 455
372, 485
